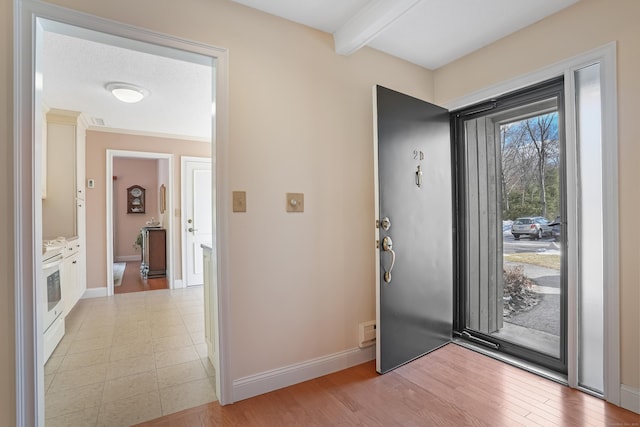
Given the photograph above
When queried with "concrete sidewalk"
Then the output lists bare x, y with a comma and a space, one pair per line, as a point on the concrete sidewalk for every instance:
545, 316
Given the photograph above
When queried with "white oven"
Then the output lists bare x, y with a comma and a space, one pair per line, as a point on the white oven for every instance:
52, 298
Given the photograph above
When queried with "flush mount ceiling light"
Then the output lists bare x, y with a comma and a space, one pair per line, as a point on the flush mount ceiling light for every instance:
126, 92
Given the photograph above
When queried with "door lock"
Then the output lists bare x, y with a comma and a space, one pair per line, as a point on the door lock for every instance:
385, 223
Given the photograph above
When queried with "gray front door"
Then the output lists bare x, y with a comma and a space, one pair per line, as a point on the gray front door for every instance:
414, 298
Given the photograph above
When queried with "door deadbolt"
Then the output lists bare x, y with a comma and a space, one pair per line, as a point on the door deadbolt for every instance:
385, 223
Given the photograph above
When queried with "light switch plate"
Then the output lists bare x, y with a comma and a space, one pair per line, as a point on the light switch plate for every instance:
295, 202
239, 201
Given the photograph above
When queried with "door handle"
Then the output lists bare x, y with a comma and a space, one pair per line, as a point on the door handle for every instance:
191, 229
387, 246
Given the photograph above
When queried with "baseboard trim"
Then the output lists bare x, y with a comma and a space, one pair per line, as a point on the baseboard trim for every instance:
630, 398
275, 379
178, 284
94, 293
125, 258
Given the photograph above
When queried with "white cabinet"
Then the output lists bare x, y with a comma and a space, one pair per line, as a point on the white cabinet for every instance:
44, 156
210, 304
63, 209
63, 212
73, 278
211, 333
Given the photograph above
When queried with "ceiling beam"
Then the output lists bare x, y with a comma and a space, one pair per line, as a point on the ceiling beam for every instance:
368, 22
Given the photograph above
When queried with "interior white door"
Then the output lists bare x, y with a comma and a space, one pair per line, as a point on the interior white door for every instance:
197, 224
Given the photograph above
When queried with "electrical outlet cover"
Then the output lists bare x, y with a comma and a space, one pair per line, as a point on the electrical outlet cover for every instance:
366, 333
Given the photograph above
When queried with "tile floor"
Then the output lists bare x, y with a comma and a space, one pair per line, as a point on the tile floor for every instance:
129, 358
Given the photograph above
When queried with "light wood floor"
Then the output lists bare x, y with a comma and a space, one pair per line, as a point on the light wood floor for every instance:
452, 386
132, 281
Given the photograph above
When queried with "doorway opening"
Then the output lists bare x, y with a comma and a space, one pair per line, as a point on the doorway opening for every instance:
512, 284
127, 245
593, 335
30, 17
589, 206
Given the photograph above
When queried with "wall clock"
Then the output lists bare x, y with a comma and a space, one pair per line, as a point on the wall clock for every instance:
135, 199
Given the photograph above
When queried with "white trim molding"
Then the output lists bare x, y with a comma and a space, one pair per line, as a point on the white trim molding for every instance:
95, 293
275, 379
630, 398
127, 258
607, 56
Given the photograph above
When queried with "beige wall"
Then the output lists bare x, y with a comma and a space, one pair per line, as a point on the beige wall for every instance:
300, 121
584, 26
128, 172
7, 312
96, 154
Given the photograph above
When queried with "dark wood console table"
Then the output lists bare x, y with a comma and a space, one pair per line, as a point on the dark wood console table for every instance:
154, 252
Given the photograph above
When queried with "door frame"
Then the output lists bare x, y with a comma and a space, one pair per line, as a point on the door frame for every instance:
27, 194
606, 57
505, 108
111, 154
183, 208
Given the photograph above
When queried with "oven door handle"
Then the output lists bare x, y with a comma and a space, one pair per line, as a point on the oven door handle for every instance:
57, 260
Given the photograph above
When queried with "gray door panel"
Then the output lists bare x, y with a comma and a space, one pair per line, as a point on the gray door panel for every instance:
415, 309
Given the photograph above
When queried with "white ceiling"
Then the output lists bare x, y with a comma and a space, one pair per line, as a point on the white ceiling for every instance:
78, 63
430, 33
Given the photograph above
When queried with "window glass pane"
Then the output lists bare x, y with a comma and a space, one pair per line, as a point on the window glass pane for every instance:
590, 292
513, 251
531, 202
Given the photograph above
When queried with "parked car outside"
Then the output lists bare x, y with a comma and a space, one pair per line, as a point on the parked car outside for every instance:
535, 227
